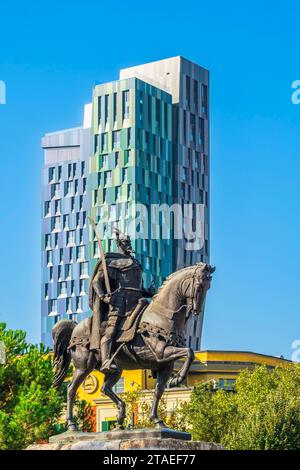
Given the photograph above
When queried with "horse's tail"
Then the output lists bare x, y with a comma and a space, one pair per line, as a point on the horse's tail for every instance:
61, 334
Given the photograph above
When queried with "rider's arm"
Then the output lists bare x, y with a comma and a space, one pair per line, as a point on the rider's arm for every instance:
98, 284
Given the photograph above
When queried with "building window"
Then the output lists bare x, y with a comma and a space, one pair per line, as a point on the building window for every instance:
71, 237
113, 212
116, 139
106, 103
62, 289
68, 188
117, 157
51, 274
188, 90
96, 143
127, 154
96, 250
80, 203
196, 95
61, 255
166, 120
147, 262
126, 104
84, 269
104, 163
46, 292
99, 110
72, 288
149, 110
84, 185
69, 306
141, 111
80, 253
68, 271
82, 168
107, 177
204, 164
157, 112
125, 174
59, 273
104, 195
192, 128
82, 287
51, 174
118, 193
57, 206
80, 236
130, 143
69, 170
147, 141
72, 204
66, 221
56, 223
201, 131
55, 190
104, 143
204, 99
47, 208
79, 304
52, 306
115, 106
47, 241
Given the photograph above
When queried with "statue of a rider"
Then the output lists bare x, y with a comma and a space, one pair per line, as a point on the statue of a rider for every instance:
126, 287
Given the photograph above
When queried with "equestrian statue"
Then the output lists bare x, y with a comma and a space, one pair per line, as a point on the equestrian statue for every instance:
126, 331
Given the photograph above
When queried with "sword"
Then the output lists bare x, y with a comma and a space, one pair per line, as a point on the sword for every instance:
102, 257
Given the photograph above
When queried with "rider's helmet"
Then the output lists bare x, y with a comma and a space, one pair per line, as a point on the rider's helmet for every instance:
123, 241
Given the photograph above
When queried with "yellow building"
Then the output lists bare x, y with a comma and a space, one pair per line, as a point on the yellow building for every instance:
220, 367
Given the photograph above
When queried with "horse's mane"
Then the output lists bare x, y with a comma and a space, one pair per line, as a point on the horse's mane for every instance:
172, 275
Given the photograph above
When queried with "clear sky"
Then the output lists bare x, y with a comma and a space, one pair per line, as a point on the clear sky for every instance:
51, 55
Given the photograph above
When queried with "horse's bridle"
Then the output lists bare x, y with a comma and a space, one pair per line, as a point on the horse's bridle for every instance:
194, 298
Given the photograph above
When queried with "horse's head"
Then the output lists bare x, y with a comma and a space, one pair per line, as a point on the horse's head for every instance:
195, 285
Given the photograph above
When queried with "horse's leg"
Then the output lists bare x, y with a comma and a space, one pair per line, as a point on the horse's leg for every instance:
110, 380
163, 376
170, 354
78, 377
174, 354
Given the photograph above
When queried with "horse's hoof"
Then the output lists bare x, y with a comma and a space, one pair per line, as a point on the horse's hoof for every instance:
173, 383
160, 424
119, 427
72, 427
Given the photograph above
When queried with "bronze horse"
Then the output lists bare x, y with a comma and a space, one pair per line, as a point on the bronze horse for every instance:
157, 343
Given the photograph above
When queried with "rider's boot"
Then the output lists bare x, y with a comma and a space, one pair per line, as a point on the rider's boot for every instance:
107, 364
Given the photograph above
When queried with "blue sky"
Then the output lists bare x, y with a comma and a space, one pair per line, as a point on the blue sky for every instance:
51, 55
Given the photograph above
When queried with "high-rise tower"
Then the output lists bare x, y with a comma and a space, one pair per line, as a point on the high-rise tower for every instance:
147, 150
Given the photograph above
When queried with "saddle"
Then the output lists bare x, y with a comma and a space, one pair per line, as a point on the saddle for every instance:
131, 322
128, 327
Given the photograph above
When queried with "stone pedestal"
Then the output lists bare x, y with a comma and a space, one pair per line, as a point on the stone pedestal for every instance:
138, 439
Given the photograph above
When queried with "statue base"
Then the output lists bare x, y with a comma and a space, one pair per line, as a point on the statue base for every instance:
137, 439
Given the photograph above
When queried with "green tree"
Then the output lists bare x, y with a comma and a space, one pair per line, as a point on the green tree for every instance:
136, 401
30, 409
262, 414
